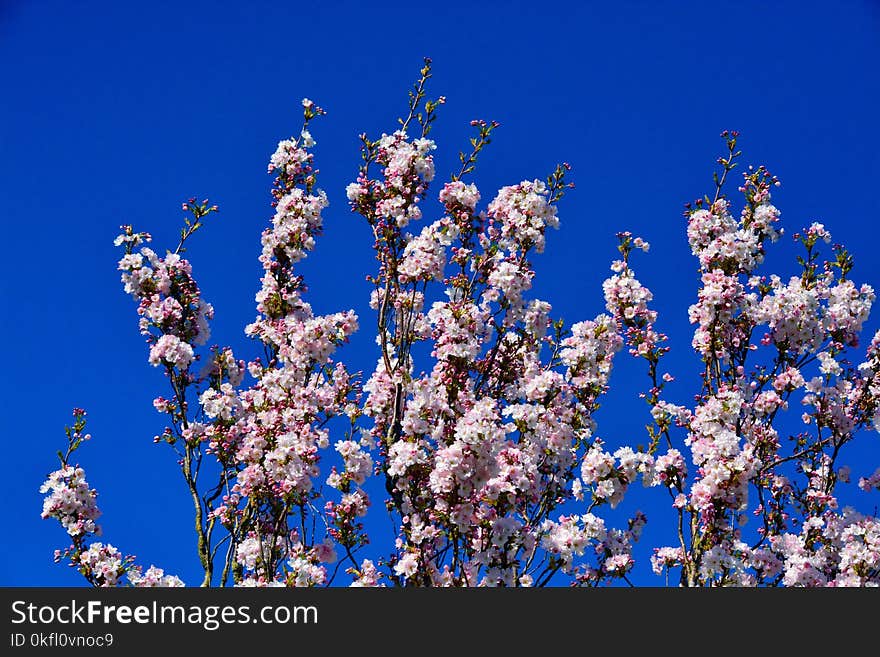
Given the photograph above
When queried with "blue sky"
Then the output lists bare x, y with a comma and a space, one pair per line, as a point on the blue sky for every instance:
114, 113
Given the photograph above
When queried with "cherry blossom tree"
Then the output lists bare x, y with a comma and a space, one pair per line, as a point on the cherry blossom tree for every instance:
479, 414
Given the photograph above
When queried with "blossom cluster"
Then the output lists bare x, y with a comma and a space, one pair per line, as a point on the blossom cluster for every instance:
480, 416
71, 502
268, 436
172, 313
480, 443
